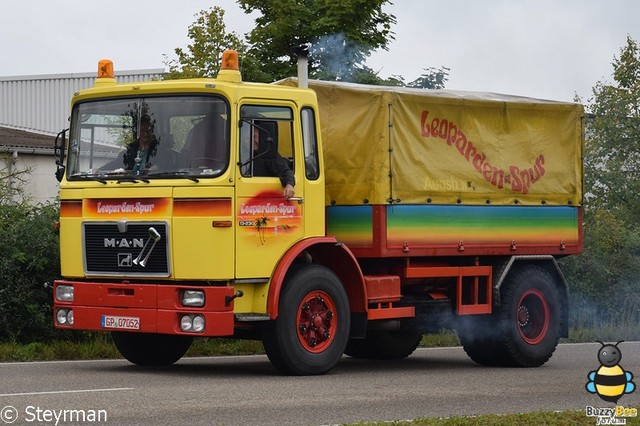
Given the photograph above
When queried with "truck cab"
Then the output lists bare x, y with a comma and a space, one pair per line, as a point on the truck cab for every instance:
173, 218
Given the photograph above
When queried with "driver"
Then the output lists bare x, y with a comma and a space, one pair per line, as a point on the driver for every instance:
139, 153
278, 167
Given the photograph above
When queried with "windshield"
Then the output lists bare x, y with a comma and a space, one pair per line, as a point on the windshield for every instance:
154, 137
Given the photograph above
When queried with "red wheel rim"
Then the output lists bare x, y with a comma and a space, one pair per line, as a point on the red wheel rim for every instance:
316, 321
532, 316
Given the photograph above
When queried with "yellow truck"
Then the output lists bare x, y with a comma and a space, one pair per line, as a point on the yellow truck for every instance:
414, 211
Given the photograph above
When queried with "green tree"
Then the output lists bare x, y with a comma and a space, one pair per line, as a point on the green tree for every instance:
605, 277
341, 35
612, 167
30, 257
12, 184
339, 48
432, 78
209, 38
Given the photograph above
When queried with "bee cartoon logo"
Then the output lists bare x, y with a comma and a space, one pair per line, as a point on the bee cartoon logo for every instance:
610, 381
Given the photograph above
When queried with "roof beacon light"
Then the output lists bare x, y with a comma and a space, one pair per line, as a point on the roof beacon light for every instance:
105, 68
105, 73
229, 69
230, 60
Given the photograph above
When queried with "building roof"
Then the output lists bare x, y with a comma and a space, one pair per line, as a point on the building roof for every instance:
41, 102
11, 139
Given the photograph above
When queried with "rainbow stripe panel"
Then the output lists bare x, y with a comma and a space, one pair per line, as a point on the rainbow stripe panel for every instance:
482, 225
445, 225
351, 224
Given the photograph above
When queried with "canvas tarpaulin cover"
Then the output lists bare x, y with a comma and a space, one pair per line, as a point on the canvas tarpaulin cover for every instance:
413, 146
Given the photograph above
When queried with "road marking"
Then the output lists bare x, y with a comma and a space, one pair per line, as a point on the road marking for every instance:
65, 391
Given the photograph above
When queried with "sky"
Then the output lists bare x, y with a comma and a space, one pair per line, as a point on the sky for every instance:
548, 49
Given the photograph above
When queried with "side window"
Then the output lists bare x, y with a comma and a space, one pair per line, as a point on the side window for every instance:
266, 140
310, 144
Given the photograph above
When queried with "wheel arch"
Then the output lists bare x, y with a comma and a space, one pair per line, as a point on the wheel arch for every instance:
328, 252
550, 264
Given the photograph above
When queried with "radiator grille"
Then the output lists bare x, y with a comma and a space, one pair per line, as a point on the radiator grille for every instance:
108, 251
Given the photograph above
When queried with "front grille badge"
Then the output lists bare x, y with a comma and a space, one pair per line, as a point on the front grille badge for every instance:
154, 237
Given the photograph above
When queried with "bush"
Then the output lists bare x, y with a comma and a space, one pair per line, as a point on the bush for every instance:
30, 257
603, 281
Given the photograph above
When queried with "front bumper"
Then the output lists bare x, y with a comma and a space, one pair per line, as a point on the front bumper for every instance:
157, 306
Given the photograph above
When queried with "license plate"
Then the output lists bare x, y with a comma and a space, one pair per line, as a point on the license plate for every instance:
124, 323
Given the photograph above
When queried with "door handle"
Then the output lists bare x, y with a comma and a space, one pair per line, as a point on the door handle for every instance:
300, 200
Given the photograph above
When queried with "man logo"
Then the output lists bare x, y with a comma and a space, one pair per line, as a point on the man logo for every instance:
125, 260
123, 243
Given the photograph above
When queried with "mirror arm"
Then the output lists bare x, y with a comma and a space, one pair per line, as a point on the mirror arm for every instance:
58, 153
255, 157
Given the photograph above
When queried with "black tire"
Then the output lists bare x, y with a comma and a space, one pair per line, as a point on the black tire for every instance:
524, 332
529, 317
151, 349
358, 348
385, 344
478, 340
312, 328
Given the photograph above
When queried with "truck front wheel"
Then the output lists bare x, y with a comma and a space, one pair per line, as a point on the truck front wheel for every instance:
312, 328
151, 349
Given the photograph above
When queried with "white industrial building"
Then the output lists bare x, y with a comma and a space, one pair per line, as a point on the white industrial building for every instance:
33, 109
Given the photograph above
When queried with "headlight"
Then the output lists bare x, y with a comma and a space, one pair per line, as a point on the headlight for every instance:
193, 298
64, 293
62, 316
192, 323
186, 323
198, 323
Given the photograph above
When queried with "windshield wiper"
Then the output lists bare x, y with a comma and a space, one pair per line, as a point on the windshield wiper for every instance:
89, 177
175, 175
133, 179
122, 176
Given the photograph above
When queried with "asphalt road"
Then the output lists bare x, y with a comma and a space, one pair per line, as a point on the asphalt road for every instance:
247, 390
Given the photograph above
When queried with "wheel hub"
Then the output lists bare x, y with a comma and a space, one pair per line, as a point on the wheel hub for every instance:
533, 316
316, 322
523, 316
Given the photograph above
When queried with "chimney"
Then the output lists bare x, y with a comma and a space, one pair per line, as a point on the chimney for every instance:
302, 52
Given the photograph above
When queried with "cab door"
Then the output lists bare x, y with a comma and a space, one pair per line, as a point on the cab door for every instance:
267, 223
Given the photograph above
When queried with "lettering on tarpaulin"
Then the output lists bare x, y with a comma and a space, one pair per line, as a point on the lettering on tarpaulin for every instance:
518, 178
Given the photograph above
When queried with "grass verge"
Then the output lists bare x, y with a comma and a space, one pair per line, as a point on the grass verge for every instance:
100, 346
536, 418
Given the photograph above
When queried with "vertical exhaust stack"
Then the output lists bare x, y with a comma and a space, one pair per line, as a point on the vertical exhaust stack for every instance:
302, 52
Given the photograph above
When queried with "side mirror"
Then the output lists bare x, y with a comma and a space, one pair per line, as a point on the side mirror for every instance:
268, 144
58, 153
268, 148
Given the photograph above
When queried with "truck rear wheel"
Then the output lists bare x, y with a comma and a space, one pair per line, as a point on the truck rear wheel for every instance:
151, 349
530, 317
312, 328
480, 340
525, 330
385, 344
